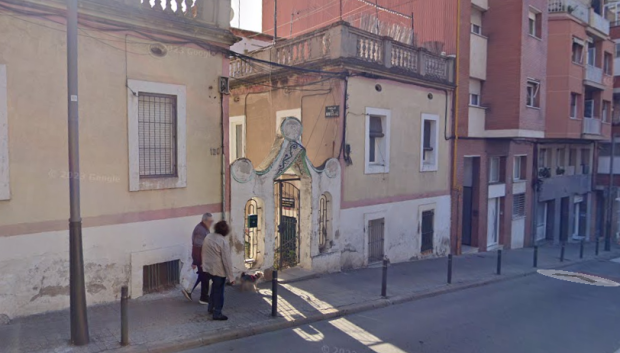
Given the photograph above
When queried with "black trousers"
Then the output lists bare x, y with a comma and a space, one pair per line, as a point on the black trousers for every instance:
204, 284
217, 295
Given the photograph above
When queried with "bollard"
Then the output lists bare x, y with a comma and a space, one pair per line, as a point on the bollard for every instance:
384, 278
274, 294
499, 262
562, 251
581, 250
535, 256
124, 317
449, 268
596, 248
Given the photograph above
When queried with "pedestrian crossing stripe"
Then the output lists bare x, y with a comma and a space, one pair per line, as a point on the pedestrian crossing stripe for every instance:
580, 278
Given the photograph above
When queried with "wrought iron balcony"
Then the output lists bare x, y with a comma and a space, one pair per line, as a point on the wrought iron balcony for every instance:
355, 47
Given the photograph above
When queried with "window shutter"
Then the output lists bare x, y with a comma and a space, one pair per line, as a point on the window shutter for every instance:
427, 135
376, 129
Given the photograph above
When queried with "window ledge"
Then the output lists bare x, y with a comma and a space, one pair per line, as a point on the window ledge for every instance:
161, 183
480, 35
535, 37
478, 106
532, 107
429, 168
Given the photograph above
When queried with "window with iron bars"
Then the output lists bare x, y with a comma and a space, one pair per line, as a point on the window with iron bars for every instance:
323, 222
428, 230
161, 276
157, 126
518, 206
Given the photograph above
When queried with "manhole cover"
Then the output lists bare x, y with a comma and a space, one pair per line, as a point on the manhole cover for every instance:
577, 277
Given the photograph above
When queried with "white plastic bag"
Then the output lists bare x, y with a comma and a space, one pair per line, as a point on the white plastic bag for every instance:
188, 277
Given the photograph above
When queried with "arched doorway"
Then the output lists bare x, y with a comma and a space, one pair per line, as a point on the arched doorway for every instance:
288, 219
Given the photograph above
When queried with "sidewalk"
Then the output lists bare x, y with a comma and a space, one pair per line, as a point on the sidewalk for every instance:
168, 322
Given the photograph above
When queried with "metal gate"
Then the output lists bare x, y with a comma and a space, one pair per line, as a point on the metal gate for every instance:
287, 214
375, 240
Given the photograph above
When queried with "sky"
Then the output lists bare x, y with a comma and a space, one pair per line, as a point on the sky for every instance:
251, 14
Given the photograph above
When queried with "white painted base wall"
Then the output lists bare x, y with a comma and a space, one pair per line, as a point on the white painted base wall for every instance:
35, 267
402, 238
518, 233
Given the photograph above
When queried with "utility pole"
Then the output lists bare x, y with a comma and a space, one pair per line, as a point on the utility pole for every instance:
610, 203
79, 320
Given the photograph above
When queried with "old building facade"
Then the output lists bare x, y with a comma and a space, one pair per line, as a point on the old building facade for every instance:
150, 152
359, 169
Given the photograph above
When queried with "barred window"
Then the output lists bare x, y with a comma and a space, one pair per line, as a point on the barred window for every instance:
157, 125
518, 206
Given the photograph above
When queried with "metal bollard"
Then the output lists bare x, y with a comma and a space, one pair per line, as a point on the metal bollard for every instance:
274, 294
384, 278
562, 251
449, 268
124, 316
499, 262
597, 245
535, 256
581, 250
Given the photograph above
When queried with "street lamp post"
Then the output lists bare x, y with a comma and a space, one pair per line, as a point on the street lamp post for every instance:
79, 320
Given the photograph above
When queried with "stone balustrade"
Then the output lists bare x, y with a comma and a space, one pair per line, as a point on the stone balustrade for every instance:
354, 46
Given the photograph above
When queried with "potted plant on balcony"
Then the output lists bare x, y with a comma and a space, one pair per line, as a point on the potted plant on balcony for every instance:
544, 172
560, 170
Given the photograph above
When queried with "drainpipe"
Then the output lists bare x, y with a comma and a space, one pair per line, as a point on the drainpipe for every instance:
223, 158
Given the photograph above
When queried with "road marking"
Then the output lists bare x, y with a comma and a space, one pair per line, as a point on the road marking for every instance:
617, 260
583, 278
580, 278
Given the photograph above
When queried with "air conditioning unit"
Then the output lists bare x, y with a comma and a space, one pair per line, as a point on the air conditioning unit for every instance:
224, 87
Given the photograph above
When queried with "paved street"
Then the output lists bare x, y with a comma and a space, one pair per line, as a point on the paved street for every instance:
165, 322
530, 314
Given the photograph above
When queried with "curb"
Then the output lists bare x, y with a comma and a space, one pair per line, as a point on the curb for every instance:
280, 324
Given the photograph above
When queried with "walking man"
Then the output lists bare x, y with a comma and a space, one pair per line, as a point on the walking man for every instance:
198, 236
218, 264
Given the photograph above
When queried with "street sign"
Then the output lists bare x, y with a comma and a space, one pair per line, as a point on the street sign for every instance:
332, 111
580, 278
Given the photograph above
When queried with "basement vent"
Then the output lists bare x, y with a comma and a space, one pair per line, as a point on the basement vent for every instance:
161, 276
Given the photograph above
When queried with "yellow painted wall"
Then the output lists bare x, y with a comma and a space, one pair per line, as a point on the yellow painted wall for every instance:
321, 136
407, 103
35, 57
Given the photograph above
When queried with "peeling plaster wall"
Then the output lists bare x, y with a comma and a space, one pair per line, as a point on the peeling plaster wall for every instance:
35, 267
402, 237
262, 187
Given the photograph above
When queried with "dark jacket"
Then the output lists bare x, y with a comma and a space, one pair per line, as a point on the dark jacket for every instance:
198, 237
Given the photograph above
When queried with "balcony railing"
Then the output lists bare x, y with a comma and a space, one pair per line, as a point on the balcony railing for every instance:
575, 8
594, 74
592, 126
358, 47
599, 22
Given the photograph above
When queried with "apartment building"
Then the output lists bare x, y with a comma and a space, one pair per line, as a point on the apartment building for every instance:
150, 144
344, 147
427, 24
501, 112
607, 181
579, 111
